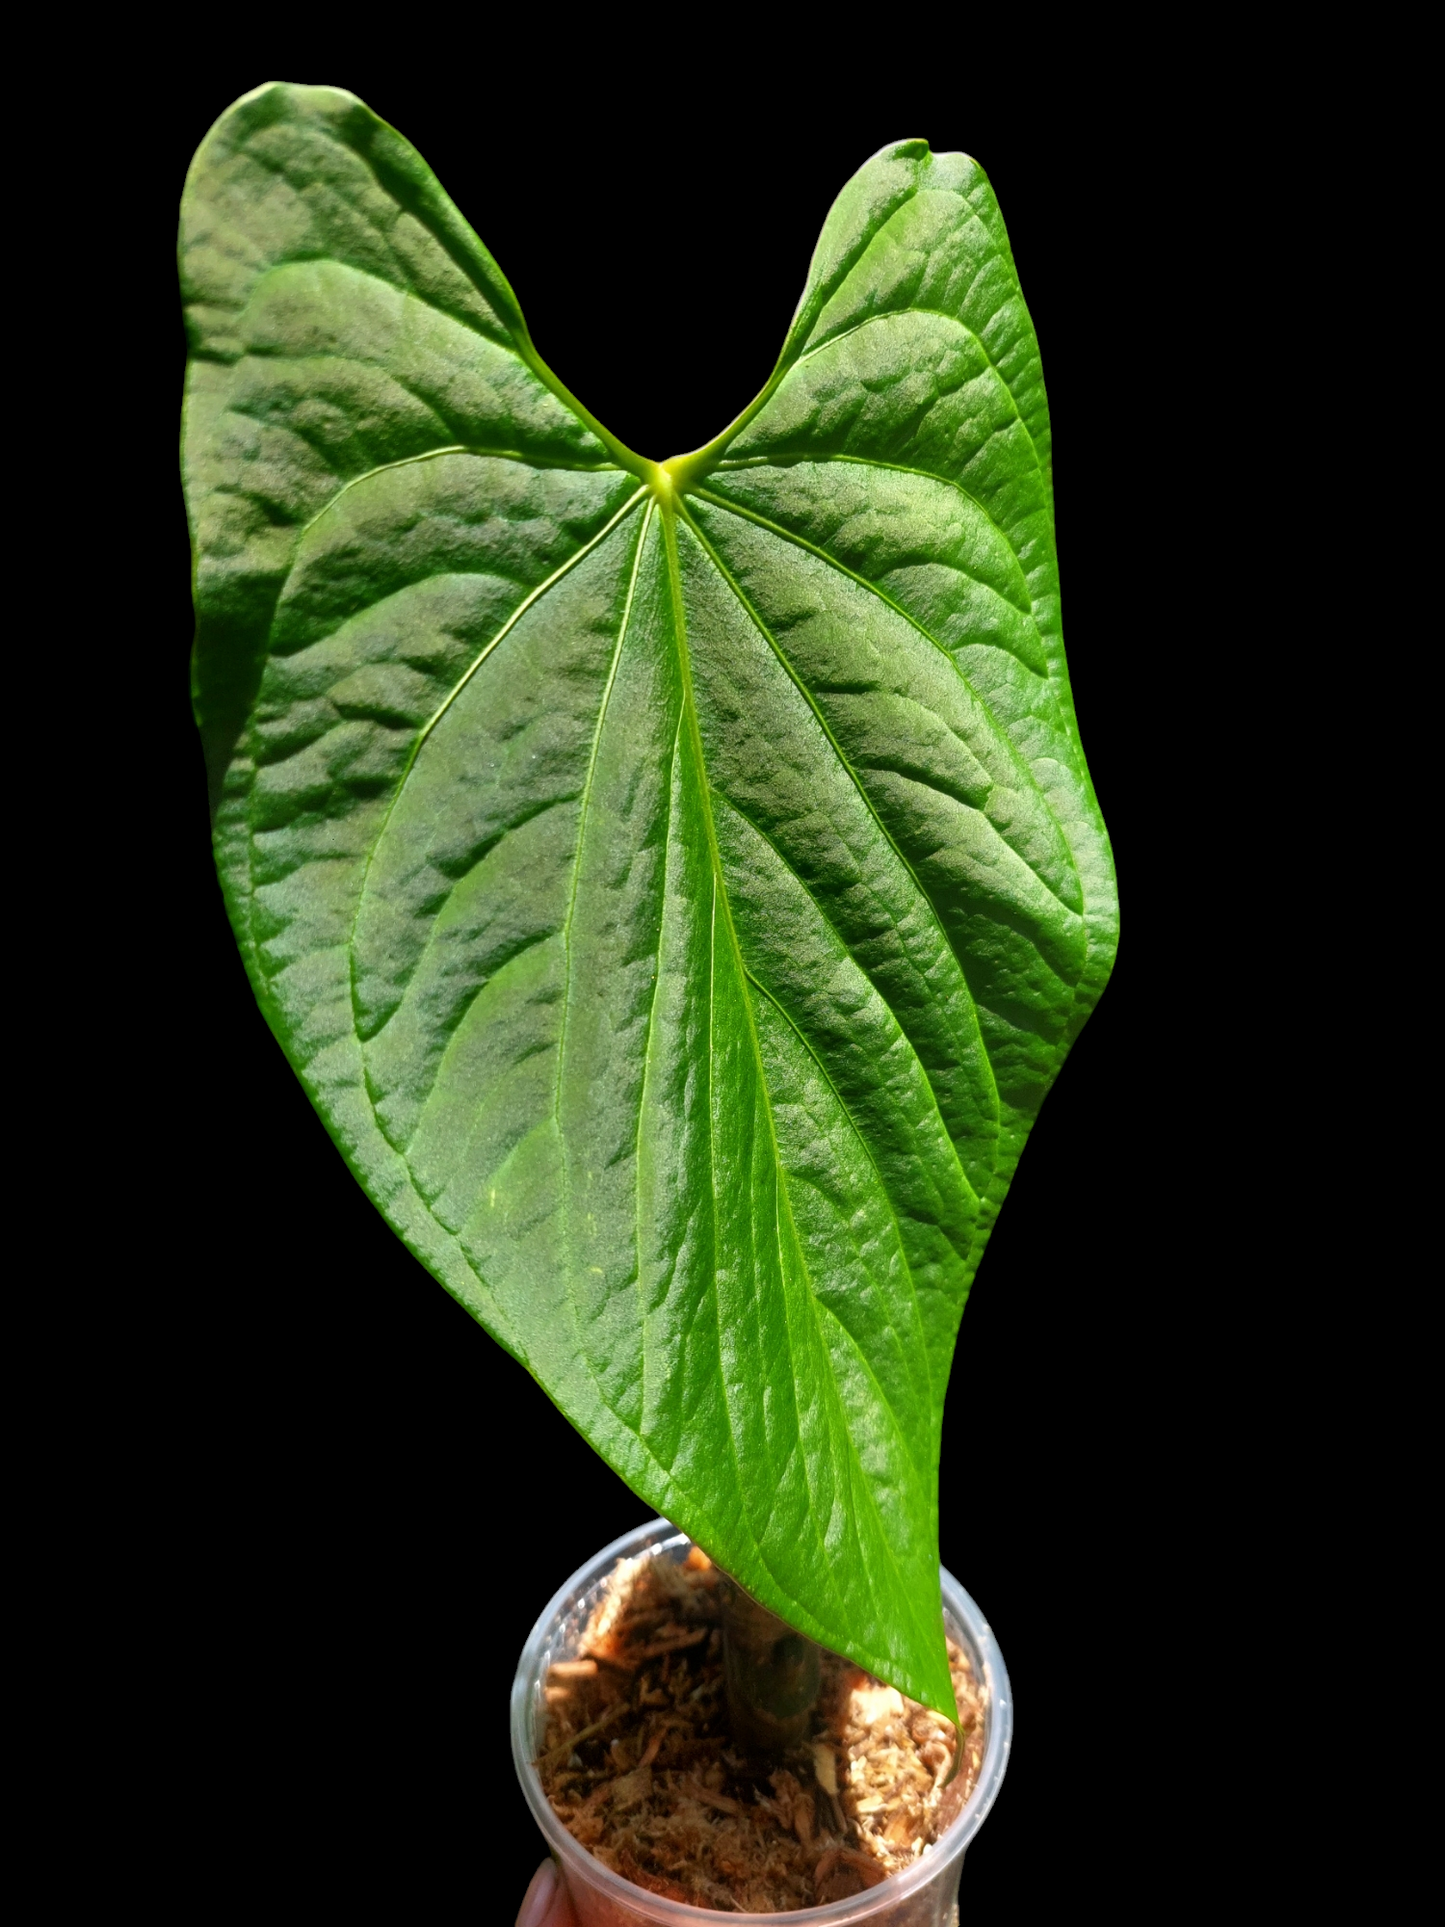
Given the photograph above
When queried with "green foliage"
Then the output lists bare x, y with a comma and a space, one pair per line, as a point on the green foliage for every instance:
675, 885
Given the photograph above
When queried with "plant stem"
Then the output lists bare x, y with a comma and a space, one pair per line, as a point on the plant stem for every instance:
771, 1673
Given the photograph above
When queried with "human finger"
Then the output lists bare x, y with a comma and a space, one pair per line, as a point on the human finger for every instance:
546, 1903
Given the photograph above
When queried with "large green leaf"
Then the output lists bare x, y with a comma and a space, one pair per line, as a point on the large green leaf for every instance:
676, 885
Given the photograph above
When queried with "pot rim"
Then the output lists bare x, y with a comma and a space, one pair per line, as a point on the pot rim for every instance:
657, 1536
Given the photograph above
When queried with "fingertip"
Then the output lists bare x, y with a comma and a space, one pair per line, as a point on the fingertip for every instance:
537, 1903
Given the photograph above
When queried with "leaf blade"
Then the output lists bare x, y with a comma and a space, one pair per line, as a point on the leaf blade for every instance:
676, 904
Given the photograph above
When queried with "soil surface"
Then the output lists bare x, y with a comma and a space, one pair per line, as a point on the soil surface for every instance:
639, 1764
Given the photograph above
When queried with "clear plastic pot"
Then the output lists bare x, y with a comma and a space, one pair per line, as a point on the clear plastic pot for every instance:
924, 1895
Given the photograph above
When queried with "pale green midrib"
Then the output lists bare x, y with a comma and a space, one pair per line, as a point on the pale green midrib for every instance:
867, 802
887, 1195
720, 898
1005, 741
688, 719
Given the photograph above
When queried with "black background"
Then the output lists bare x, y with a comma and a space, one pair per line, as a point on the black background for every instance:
353, 1504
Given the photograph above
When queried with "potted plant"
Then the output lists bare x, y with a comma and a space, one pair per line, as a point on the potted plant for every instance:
676, 883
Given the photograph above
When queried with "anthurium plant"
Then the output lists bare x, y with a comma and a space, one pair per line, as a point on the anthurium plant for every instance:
676, 883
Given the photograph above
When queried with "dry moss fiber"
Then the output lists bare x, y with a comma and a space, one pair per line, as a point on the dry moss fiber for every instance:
640, 1767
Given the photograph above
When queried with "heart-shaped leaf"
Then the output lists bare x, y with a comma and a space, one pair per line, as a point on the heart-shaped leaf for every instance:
676, 885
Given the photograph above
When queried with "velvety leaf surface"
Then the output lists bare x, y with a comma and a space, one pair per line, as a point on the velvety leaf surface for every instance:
676, 885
